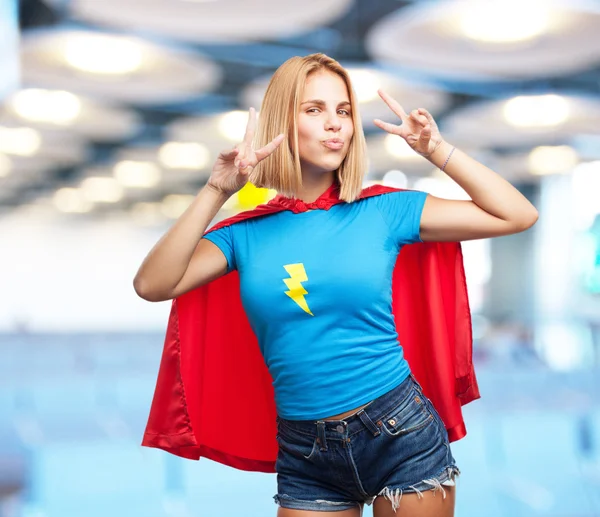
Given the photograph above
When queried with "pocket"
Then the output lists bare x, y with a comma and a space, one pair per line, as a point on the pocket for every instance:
300, 445
410, 415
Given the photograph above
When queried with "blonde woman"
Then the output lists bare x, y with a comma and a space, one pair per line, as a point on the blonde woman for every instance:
315, 280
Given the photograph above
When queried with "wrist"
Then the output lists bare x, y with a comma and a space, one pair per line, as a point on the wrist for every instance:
216, 192
439, 155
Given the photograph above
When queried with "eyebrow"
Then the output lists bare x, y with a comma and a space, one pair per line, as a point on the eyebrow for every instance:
322, 103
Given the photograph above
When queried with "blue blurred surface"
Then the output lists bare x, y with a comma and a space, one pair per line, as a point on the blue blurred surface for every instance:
74, 408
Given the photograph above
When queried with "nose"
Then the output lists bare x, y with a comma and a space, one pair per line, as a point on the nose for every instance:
333, 123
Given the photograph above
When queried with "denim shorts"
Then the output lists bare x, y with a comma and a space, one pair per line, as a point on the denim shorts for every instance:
397, 444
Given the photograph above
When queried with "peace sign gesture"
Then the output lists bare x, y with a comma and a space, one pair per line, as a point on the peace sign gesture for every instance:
418, 129
232, 168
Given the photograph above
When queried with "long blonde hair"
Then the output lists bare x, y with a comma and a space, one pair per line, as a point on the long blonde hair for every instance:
279, 114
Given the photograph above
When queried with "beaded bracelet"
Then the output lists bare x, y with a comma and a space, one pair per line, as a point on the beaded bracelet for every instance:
444, 166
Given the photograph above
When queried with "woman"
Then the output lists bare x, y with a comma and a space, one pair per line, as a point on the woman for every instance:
353, 423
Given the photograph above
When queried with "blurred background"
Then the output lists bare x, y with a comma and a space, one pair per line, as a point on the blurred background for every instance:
111, 115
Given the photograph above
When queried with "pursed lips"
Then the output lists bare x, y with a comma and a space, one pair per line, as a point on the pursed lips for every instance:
333, 143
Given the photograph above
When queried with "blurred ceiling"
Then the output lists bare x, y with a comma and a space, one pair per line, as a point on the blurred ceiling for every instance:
124, 105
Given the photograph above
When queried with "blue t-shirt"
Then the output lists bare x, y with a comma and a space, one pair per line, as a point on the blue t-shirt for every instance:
317, 289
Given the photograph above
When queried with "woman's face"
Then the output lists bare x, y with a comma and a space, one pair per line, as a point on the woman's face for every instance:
325, 126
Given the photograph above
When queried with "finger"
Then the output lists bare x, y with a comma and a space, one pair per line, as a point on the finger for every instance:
242, 149
246, 169
250, 127
393, 104
386, 126
419, 119
427, 115
228, 155
424, 137
268, 149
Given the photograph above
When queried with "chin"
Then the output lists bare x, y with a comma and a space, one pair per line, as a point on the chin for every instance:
322, 167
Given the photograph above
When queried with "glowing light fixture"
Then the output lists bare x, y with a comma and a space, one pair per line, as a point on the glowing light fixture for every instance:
536, 111
71, 200
184, 155
102, 190
558, 159
504, 22
365, 84
102, 54
22, 141
232, 125
56, 107
131, 173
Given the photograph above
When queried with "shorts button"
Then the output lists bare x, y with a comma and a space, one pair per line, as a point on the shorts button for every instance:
392, 421
340, 428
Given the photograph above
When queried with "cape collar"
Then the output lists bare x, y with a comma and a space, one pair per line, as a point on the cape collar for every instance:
324, 202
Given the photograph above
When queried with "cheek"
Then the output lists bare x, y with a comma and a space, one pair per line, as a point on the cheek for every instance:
306, 137
349, 130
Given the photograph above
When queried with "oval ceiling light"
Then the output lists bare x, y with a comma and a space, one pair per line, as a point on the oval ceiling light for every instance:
472, 41
522, 121
137, 174
52, 109
224, 21
102, 190
497, 23
544, 160
365, 84
21, 141
71, 200
184, 155
108, 66
232, 125
102, 54
536, 111
56, 107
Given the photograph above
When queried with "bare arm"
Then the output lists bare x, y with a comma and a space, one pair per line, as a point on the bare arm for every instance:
163, 274
497, 207
181, 260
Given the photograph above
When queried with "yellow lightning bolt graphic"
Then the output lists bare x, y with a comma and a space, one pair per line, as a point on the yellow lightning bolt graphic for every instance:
294, 283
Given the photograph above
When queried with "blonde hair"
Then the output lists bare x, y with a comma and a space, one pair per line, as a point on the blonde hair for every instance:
279, 114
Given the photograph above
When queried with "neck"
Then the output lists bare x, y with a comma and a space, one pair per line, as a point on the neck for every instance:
314, 185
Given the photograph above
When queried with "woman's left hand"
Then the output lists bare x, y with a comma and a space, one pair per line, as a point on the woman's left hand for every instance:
418, 129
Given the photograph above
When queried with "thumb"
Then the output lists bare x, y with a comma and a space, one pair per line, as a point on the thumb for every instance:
425, 135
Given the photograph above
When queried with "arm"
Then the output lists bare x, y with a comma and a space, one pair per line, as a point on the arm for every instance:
180, 260
497, 208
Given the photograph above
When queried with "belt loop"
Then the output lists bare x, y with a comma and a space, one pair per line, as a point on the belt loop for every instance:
321, 435
416, 383
368, 422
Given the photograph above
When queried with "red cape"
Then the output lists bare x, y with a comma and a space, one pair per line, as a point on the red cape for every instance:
213, 381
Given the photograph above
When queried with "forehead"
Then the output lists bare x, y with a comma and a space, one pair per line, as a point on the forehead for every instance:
325, 85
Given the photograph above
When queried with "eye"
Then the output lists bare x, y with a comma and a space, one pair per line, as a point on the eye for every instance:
312, 109
345, 112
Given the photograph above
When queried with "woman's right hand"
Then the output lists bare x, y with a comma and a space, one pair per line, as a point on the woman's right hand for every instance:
232, 168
